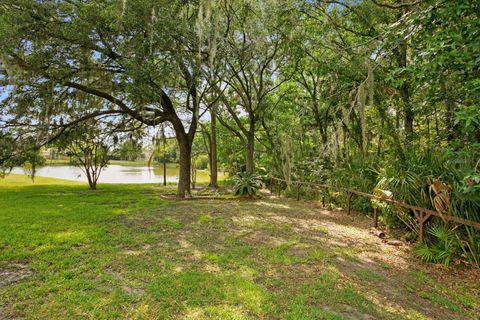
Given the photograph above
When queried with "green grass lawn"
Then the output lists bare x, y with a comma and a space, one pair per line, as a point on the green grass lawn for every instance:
121, 252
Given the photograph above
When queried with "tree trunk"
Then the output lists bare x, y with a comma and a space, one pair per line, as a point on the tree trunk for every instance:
213, 150
92, 183
249, 151
184, 165
164, 170
405, 94
164, 142
380, 133
450, 113
193, 171
408, 120
401, 54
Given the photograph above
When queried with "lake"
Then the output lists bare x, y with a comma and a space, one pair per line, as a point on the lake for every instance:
116, 173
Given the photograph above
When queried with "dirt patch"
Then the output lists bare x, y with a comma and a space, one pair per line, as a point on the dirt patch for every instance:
129, 289
260, 238
11, 274
14, 273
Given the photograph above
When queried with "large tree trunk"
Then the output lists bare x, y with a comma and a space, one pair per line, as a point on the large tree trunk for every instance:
164, 142
184, 164
250, 147
213, 149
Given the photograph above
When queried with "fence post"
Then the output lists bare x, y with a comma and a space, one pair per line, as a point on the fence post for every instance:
421, 231
299, 185
422, 218
349, 202
271, 185
375, 217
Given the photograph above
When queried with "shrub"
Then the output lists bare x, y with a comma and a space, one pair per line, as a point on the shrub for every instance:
443, 247
201, 162
246, 184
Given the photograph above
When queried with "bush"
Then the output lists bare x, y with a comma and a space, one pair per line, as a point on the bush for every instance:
246, 184
304, 192
201, 162
443, 246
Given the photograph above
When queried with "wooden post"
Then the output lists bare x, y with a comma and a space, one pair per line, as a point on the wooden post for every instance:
298, 191
271, 185
375, 217
421, 229
422, 218
349, 202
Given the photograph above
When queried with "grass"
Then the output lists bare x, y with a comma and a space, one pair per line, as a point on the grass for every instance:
119, 252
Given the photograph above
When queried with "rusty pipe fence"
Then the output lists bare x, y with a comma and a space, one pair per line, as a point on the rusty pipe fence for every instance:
421, 214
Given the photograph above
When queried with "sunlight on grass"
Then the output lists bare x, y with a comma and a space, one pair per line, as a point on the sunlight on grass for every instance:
220, 312
367, 275
69, 236
19, 180
198, 288
329, 290
123, 252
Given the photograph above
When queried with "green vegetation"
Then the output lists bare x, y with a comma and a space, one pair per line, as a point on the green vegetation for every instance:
380, 96
122, 252
246, 184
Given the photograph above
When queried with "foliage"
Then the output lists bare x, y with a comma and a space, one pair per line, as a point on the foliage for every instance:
246, 184
443, 247
470, 245
357, 173
88, 145
8, 159
138, 61
201, 162
132, 148
21, 152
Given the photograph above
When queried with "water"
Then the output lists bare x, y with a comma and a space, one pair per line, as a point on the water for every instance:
114, 174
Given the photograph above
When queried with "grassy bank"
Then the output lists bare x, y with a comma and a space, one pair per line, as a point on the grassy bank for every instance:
122, 252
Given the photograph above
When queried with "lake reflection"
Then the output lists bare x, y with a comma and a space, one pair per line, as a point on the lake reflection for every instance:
113, 174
